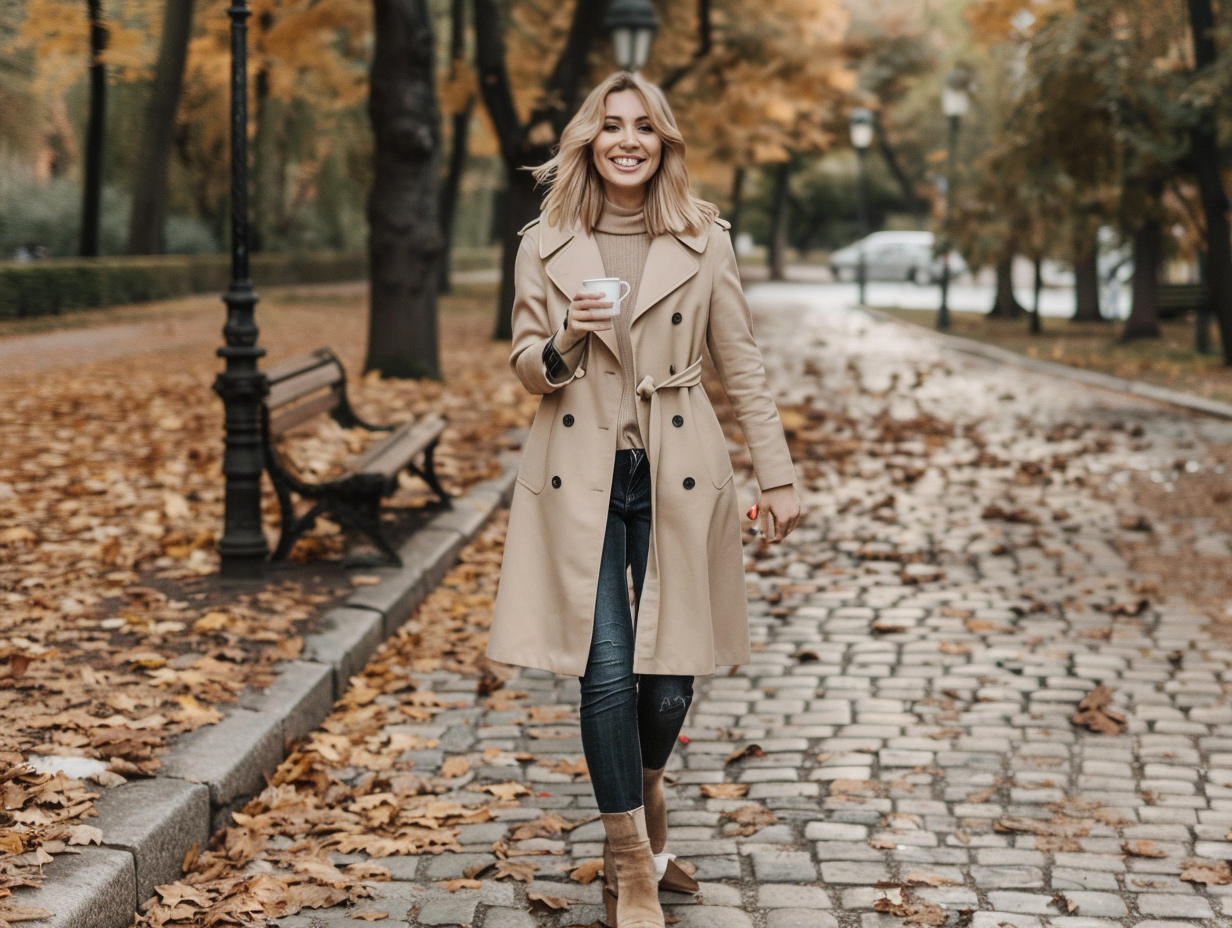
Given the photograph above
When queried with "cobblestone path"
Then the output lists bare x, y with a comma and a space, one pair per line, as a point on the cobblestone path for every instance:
922, 645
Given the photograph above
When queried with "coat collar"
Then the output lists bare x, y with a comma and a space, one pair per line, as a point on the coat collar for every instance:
571, 255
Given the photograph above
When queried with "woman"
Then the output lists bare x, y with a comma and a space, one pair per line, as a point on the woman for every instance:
626, 467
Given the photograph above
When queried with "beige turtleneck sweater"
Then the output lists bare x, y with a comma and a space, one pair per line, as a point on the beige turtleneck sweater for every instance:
624, 243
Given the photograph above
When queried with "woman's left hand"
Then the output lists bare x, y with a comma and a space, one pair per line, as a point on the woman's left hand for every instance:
779, 512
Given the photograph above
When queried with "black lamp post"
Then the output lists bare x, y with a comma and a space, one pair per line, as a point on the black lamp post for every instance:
955, 101
242, 547
632, 25
862, 121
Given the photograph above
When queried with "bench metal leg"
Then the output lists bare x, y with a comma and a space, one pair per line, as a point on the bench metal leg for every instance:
427, 474
364, 515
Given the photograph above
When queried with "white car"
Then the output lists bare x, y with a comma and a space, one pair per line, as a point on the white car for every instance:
909, 256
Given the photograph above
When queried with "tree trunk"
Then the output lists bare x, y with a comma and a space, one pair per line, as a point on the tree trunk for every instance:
1143, 321
559, 103
910, 200
1206, 159
1086, 278
145, 226
737, 201
457, 153
1005, 305
521, 206
404, 238
92, 189
778, 222
1036, 297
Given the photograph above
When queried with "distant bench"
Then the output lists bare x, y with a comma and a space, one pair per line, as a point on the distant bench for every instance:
1175, 300
305, 387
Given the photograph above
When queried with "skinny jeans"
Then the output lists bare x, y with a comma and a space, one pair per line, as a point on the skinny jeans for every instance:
629, 721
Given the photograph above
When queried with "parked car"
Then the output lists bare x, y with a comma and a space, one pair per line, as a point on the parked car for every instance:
906, 256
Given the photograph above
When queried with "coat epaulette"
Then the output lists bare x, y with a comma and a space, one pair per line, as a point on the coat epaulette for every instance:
723, 224
533, 222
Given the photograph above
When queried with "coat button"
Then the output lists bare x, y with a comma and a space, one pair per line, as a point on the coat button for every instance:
678, 421
677, 318
568, 420
689, 483
671, 368
555, 483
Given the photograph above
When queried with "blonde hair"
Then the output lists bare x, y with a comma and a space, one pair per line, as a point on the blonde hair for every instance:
576, 188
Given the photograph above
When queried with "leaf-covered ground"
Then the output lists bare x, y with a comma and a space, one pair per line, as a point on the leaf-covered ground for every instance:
115, 635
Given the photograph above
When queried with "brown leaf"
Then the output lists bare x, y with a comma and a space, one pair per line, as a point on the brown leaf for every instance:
1142, 848
587, 872
750, 819
546, 903
724, 790
749, 750
1093, 713
1211, 872
455, 767
22, 913
506, 791
368, 915
462, 882
522, 871
954, 647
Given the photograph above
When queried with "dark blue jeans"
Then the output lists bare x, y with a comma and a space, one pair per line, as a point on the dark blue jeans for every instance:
628, 721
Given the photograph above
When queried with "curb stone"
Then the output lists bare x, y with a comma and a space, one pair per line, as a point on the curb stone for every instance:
1091, 378
148, 826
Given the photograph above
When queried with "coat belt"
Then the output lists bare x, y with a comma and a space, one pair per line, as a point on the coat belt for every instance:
648, 609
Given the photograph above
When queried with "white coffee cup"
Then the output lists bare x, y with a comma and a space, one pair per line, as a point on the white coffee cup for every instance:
613, 289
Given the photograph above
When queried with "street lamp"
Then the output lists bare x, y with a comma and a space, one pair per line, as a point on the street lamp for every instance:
242, 547
632, 25
862, 121
955, 101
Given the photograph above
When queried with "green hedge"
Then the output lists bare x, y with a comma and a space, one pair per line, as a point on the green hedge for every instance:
57, 285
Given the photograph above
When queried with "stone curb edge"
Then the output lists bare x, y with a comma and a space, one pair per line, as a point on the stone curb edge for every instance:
1091, 378
149, 825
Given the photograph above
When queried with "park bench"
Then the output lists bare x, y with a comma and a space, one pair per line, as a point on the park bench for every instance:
1175, 300
301, 389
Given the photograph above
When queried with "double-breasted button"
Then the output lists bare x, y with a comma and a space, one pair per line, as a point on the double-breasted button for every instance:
671, 368
689, 483
568, 420
678, 421
677, 318
555, 483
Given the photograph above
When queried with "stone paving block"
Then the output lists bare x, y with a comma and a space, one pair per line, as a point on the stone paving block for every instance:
780, 895
706, 916
94, 889
156, 821
861, 874
348, 637
1025, 903
1098, 904
458, 909
302, 695
1003, 920
800, 918
232, 758
509, 918
783, 867
1169, 906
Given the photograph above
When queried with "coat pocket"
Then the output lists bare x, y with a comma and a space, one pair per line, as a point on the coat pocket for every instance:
533, 473
712, 444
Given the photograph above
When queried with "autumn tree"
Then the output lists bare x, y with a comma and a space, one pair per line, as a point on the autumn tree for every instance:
146, 222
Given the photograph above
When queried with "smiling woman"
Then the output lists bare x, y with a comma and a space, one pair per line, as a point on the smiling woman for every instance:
626, 470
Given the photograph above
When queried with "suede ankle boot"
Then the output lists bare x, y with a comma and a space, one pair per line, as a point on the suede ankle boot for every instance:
671, 876
630, 894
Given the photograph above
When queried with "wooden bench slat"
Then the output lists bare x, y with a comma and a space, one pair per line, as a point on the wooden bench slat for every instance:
393, 454
292, 366
292, 388
287, 419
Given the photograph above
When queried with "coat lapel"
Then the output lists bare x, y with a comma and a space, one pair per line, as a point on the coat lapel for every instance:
668, 265
578, 259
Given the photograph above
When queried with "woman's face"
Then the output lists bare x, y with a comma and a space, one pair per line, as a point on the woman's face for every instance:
627, 151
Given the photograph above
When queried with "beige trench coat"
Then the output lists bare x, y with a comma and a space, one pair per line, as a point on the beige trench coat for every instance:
693, 615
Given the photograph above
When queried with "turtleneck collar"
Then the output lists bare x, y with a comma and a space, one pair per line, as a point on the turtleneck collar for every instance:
617, 220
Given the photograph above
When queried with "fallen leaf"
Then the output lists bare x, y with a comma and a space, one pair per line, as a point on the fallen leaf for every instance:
522, 871
587, 872
1093, 713
460, 883
455, 767
368, 915
750, 819
724, 790
749, 750
1142, 848
1211, 872
545, 902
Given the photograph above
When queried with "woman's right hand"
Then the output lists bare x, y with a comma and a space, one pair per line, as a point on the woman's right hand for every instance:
587, 313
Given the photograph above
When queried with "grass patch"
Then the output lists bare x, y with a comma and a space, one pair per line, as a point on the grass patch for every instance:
1169, 361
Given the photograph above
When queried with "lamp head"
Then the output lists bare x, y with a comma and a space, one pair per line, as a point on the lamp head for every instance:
862, 127
956, 94
632, 25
